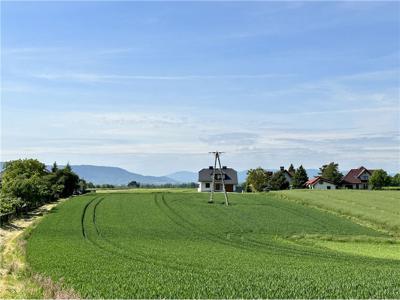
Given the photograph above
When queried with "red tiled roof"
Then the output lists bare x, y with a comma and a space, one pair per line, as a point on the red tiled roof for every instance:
353, 175
316, 179
312, 181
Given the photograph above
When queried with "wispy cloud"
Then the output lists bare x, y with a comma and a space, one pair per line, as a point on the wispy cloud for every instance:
93, 77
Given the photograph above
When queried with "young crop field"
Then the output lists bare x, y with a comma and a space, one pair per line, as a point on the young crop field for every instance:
380, 208
176, 245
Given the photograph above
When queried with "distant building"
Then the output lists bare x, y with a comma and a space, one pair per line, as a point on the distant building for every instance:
320, 183
205, 179
288, 175
357, 179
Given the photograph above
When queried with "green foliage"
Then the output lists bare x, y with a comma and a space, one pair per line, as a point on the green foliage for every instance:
300, 178
331, 172
291, 169
26, 182
176, 245
105, 186
257, 179
278, 181
134, 184
26, 179
395, 181
8, 203
82, 186
379, 179
54, 168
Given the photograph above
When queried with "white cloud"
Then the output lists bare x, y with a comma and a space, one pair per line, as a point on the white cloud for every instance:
94, 77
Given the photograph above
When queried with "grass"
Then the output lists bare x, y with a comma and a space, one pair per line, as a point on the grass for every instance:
17, 281
369, 249
380, 209
175, 245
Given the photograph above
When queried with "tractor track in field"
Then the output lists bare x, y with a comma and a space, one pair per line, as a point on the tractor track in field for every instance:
94, 215
184, 225
218, 239
115, 249
189, 227
272, 247
84, 234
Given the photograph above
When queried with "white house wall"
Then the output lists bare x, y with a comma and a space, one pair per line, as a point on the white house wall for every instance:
202, 187
322, 185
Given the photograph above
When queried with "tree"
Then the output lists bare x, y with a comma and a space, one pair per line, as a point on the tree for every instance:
257, 179
278, 181
68, 168
379, 179
300, 178
134, 184
54, 168
396, 180
9, 203
331, 172
25, 179
68, 180
90, 185
291, 169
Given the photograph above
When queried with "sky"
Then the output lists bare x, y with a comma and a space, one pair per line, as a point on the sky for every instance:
154, 86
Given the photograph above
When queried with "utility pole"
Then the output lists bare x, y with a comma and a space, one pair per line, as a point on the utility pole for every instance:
217, 155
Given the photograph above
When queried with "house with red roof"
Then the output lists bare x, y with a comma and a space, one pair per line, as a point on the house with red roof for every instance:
357, 179
320, 183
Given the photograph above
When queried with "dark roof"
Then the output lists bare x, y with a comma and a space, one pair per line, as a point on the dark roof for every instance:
205, 175
317, 179
290, 174
353, 175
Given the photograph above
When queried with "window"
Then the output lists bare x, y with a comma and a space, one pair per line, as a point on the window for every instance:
207, 185
217, 186
219, 177
328, 187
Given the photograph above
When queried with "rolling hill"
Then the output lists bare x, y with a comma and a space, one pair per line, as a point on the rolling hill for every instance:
117, 176
120, 176
113, 175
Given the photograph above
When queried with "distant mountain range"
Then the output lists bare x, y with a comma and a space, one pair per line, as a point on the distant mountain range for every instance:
119, 176
113, 175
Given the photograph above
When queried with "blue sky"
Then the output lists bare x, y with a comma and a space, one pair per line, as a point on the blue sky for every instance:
152, 87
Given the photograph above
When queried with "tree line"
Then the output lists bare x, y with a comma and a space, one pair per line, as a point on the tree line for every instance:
134, 184
27, 184
260, 179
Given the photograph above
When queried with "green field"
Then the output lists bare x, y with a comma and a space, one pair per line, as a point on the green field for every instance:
378, 208
175, 245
